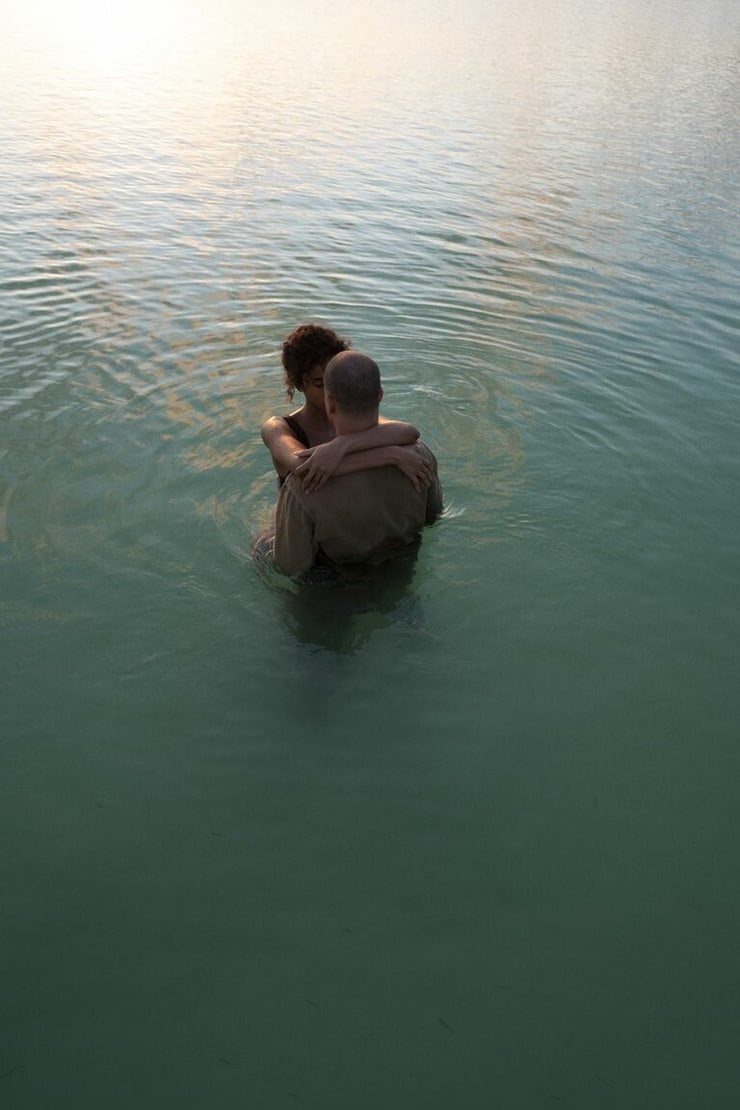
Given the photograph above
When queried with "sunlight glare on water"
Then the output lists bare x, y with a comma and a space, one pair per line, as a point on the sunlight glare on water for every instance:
93, 33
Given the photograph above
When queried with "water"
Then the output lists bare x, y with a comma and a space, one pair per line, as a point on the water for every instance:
472, 844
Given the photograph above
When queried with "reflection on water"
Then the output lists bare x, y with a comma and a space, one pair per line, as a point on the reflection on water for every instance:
457, 809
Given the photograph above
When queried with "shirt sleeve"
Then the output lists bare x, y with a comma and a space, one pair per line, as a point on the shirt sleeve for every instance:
434, 502
294, 532
434, 494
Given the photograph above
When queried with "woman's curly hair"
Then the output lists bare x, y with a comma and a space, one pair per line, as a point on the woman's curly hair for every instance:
308, 346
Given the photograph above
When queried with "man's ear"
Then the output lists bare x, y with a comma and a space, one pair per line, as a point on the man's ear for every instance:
380, 395
329, 404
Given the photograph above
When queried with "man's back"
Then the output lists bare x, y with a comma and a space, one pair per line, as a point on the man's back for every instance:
363, 517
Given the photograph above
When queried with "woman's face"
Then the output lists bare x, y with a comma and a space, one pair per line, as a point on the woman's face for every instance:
313, 387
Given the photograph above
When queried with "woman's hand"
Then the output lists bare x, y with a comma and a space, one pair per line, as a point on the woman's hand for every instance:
319, 463
415, 466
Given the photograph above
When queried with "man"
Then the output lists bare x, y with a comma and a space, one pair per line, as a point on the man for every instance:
365, 517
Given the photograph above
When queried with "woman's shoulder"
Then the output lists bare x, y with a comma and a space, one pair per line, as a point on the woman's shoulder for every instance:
278, 425
296, 428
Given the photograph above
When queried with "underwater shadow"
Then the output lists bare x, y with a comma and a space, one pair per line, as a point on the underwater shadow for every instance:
338, 609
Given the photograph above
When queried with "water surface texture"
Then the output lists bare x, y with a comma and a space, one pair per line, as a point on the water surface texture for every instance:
467, 844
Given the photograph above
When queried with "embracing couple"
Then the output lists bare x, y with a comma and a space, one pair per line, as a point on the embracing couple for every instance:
354, 487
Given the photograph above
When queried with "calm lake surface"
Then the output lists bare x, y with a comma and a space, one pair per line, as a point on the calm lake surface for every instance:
471, 846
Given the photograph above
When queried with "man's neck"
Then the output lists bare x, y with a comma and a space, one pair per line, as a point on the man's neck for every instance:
346, 423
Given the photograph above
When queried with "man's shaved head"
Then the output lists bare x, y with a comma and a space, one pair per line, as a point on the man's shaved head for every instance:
353, 381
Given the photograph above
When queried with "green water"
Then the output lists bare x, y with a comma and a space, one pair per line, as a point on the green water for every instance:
471, 844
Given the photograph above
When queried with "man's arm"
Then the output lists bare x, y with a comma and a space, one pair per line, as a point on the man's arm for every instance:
295, 549
434, 502
434, 490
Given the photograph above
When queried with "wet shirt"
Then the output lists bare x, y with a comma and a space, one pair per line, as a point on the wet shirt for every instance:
363, 517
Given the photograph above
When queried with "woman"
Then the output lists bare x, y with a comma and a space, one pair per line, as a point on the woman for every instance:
304, 440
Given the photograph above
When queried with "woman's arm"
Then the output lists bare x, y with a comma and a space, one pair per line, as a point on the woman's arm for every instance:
386, 433
356, 451
408, 459
282, 445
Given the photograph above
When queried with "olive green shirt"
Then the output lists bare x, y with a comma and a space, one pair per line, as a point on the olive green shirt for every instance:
363, 517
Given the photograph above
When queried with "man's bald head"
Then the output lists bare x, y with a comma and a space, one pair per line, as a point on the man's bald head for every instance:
352, 380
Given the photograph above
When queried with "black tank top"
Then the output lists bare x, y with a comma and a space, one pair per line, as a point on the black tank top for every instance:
300, 435
297, 430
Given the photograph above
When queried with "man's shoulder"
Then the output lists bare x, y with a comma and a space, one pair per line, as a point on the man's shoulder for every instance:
385, 481
426, 451
429, 455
